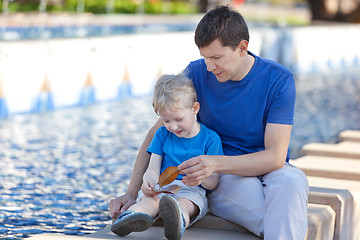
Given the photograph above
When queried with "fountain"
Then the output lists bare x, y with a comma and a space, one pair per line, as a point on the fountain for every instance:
76, 71
56, 67
66, 63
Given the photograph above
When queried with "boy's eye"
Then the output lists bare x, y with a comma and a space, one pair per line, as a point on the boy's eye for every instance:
179, 119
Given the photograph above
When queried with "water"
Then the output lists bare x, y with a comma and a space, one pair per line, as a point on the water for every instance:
326, 104
76, 31
60, 169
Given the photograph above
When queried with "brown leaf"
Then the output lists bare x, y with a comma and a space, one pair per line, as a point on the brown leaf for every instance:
168, 189
168, 176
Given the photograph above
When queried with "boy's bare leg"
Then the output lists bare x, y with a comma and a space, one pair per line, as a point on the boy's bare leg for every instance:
148, 205
188, 209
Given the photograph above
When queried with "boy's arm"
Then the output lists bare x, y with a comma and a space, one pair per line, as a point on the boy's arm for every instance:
151, 176
211, 182
123, 202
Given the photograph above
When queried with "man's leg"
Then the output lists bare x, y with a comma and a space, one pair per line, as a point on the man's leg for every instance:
286, 192
240, 200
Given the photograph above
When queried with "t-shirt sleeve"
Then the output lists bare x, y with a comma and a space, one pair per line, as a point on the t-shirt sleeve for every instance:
215, 146
283, 102
157, 142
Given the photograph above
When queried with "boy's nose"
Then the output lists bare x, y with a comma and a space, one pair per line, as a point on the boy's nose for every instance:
173, 127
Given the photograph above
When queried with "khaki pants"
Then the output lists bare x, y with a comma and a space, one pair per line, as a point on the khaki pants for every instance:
273, 206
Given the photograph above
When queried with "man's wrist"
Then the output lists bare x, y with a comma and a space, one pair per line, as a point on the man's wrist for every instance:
215, 161
131, 193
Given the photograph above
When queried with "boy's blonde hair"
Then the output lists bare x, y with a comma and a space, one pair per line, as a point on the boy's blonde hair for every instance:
172, 92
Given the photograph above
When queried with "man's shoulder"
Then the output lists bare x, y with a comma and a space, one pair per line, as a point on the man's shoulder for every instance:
271, 65
197, 70
197, 64
198, 61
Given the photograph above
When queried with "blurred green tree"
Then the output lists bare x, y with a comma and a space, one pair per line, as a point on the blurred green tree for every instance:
101, 6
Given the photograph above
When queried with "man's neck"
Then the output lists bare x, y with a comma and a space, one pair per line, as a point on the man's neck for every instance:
249, 62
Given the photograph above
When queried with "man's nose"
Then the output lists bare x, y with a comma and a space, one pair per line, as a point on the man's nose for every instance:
210, 66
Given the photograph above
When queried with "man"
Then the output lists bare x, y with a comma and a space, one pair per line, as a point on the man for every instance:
249, 102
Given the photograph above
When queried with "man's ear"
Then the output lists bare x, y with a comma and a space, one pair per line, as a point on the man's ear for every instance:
242, 47
196, 107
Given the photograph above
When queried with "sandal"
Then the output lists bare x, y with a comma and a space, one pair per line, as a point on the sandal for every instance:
174, 221
130, 221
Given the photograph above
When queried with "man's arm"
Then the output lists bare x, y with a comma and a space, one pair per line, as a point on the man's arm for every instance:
122, 203
277, 137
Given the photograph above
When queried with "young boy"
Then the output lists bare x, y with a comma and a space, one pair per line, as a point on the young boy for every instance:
182, 138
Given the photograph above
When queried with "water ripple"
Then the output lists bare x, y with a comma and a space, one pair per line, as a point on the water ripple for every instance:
59, 170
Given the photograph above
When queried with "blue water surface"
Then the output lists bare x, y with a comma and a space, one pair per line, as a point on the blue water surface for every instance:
75, 31
326, 104
60, 169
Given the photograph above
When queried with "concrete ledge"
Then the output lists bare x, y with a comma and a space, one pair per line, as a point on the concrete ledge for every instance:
331, 167
321, 222
344, 149
156, 233
213, 222
341, 202
321, 226
350, 135
350, 204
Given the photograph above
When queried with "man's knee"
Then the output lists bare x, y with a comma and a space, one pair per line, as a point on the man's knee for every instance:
289, 182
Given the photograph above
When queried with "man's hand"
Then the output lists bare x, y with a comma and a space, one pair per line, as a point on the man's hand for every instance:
119, 205
197, 169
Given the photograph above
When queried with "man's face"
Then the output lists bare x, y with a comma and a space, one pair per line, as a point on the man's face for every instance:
224, 62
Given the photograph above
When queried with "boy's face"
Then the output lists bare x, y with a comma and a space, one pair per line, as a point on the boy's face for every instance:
182, 121
224, 62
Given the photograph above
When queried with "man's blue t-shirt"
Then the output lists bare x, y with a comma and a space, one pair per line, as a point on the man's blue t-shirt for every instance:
176, 150
239, 110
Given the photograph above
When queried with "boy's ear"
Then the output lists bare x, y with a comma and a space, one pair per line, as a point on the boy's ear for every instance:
196, 107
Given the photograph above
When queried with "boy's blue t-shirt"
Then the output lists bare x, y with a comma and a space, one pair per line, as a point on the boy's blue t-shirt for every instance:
176, 150
239, 110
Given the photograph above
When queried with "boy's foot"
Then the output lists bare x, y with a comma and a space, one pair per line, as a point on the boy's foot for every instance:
174, 222
130, 221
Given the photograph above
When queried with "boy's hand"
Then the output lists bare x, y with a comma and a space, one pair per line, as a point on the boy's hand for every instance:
149, 181
147, 189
